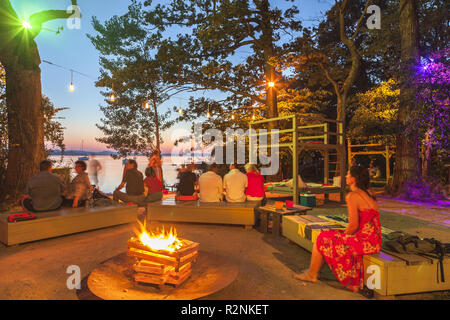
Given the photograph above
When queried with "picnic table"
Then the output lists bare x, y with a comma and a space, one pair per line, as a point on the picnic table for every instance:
266, 210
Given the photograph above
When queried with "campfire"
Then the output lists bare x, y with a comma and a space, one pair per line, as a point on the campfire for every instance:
161, 257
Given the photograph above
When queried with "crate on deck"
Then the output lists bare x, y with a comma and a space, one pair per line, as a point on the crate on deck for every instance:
308, 200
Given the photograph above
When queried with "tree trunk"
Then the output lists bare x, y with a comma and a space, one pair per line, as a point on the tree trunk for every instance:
157, 137
406, 165
269, 69
25, 126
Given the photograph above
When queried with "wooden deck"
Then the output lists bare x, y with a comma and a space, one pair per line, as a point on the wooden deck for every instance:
63, 222
398, 273
203, 212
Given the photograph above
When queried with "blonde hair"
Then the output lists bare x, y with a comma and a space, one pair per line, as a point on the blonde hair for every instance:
250, 167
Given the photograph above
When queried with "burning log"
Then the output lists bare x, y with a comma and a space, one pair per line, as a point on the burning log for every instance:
168, 264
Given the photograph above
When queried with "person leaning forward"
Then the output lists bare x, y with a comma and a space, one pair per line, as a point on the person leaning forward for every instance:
133, 180
43, 191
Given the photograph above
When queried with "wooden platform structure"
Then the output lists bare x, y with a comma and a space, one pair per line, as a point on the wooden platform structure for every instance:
326, 137
326, 190
203, 212
398, 273
63, 222
384, 149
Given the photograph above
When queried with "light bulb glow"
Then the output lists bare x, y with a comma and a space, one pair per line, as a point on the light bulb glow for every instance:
271, 84
180, 111
232, 117
71, 87
26, 24
208, 115
112, 97
147, 106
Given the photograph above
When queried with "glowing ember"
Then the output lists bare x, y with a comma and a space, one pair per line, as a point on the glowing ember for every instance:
160, 240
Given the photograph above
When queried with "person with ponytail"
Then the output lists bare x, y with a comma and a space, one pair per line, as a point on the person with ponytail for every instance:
343, 250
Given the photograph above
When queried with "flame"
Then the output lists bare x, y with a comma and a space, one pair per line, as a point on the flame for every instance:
164, 240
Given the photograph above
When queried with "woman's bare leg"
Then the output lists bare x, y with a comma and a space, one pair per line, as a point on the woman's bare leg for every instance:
312, 273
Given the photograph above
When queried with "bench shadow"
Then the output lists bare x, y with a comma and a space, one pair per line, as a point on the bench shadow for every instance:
298, 259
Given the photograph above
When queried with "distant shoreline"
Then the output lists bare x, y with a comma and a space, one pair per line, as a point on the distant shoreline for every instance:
79, 153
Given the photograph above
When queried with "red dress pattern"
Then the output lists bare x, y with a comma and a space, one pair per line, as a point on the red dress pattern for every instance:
344, 253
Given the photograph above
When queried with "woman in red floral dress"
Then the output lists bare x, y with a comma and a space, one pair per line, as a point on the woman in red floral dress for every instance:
343, 251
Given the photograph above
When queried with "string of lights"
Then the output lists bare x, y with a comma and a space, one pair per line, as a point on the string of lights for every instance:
112, 96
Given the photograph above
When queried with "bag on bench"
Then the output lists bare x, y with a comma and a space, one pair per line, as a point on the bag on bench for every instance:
423, 247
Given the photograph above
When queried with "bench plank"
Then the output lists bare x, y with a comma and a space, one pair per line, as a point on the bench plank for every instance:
63, 222
203, 212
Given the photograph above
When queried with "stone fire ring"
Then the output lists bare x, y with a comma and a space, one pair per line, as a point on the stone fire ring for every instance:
112, 280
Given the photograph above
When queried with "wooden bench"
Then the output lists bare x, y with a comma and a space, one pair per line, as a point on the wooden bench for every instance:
203, 212
64, 221
399, 273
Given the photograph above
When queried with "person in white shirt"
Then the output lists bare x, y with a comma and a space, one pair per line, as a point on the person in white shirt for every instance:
210, 185
234, 184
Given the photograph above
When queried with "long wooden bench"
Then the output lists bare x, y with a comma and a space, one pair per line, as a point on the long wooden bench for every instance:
398, 273
64, 221
203, 212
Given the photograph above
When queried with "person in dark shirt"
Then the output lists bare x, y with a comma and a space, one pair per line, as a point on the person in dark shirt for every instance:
133, 181
43, 192
188, 181
153, 185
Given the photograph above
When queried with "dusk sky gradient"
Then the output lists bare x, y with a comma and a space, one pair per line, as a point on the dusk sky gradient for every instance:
73, 50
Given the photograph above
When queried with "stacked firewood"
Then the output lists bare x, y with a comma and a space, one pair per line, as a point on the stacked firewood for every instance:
162, 267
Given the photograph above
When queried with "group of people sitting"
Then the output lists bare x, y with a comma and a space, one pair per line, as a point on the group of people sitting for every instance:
134, 183
234, 187
47, 191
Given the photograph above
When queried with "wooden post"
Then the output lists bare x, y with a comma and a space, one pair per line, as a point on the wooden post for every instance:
294, 159
349, 148
250, 149
326, 169
388, 170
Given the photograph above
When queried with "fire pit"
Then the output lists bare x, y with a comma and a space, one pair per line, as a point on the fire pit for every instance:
162, 258
159, 266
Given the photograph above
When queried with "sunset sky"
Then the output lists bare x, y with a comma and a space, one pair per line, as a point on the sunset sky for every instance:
73, 50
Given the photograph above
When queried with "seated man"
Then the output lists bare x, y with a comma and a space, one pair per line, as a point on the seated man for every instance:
210, 184
134, 181
188, 180
234, 184
43, 191
79, 190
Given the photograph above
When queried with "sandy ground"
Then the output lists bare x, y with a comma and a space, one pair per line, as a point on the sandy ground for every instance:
266, 263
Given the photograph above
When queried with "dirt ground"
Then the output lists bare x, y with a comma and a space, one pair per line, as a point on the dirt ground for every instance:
266, 263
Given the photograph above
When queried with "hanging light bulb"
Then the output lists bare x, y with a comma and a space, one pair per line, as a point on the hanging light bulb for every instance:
180, 111
147, 105
232, 117
271, 84
112, 97
208, 115
71, 86
253, 117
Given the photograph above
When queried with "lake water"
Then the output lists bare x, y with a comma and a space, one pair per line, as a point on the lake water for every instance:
111, 174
